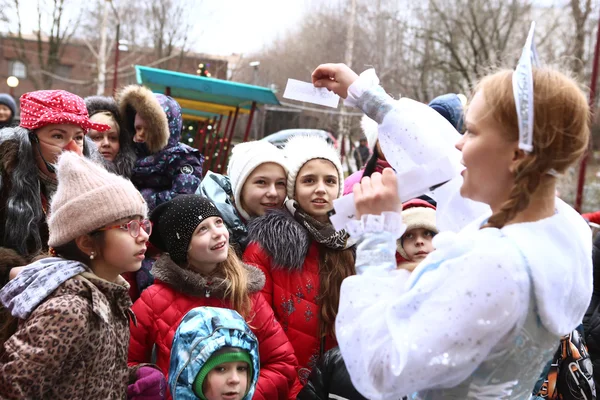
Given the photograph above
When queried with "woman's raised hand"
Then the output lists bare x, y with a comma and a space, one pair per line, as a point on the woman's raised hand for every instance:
335, 77
377, 194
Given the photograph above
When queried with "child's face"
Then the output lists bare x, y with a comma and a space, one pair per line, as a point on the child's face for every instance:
264, 189
228, 381
417, 243
140, 129
107, 142
5, 113
209, 245
121, 252
317, 185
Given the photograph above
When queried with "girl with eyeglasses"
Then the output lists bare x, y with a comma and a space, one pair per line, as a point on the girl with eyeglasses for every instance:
68, 333
199, 268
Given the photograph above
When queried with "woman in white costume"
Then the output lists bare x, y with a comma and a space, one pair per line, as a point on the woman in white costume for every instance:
483, 313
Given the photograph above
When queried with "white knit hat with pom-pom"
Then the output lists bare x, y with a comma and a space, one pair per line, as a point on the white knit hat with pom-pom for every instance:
301, 149
245, 158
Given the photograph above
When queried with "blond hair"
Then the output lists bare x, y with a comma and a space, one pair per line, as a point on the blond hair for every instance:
560, 135
237, 284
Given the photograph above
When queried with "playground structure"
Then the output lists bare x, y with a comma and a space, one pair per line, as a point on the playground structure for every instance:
209, 101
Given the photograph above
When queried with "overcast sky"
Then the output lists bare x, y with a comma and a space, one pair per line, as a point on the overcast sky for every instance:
234, 26
242, 26
220, 26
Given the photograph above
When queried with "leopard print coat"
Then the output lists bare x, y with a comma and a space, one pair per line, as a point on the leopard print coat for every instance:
73, 346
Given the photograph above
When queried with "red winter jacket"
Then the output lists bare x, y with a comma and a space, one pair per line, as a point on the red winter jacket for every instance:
281, 248
176, 291
134, 292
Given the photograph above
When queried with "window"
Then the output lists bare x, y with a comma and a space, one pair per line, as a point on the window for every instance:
18, 69
64, 70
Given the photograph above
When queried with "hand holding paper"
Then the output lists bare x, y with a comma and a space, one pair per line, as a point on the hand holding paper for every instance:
377, 194
304, 91
335, 77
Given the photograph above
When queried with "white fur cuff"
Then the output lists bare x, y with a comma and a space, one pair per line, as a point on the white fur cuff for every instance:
389, 222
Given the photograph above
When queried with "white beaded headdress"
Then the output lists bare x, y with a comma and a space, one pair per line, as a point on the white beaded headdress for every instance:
522, 82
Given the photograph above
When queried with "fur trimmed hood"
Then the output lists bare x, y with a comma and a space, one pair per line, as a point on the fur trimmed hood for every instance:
135, 99
282, 237
192, 283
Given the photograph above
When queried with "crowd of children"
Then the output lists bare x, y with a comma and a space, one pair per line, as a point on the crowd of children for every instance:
127, 271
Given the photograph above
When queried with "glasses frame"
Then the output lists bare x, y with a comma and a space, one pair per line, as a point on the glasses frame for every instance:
127, 227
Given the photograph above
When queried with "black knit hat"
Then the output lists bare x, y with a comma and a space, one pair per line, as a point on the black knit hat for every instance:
175, 221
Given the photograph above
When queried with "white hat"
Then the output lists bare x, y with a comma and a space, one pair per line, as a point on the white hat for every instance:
414, 217
245, 158
301, 149
370, 130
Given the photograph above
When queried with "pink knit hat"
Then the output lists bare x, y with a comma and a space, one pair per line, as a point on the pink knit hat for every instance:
88, 198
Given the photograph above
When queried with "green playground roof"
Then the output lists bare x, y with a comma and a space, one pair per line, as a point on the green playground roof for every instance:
202, 94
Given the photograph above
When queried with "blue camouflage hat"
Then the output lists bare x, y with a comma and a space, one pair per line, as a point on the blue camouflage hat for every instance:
203, 332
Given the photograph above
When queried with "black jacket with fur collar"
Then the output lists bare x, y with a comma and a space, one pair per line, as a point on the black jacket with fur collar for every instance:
22, 219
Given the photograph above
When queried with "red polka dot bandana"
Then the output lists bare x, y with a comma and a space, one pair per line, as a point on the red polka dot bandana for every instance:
46, 107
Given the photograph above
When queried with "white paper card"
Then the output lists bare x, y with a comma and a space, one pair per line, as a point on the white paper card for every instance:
304, 91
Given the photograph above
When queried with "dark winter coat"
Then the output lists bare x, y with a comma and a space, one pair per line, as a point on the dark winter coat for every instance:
175, 291
164, 167
23, 206
284, 251
591, 321
125, 159
330, 380
330, 377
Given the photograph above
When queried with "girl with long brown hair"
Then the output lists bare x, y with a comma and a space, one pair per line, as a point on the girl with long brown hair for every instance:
198, 268
303, 258
482, 314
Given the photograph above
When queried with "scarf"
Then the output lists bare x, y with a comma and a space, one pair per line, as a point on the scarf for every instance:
36, 282
48, 184
323, 233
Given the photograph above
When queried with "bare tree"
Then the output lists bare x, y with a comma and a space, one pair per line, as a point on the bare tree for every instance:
580, 12
5, 6
52, 35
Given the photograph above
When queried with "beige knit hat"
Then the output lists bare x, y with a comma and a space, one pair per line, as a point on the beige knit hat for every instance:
245, 158
415, 217
301, 149
87, 198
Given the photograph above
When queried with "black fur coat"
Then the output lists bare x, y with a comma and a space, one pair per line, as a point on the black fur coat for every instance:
23, 225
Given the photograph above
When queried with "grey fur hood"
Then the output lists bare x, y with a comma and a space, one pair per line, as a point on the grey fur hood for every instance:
195, 284
282, 237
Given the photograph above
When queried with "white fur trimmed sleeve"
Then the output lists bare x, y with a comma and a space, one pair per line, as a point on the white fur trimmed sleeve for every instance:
399, 337
420, 145
376, 236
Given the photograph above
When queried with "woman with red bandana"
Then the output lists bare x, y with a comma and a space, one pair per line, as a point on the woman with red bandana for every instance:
52, 121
